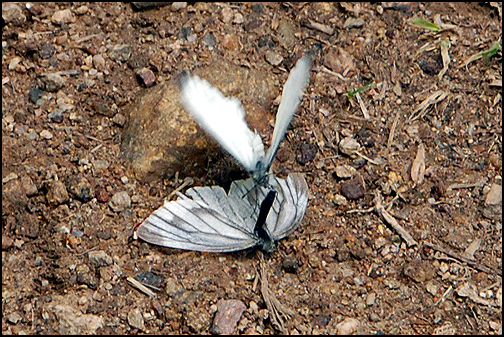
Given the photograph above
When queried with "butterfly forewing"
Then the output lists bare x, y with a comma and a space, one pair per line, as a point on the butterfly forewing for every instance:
292, 95
223, 118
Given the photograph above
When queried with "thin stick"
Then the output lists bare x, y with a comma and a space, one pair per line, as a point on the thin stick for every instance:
362, 106
392, 130
444, 295
367, 158
393, 223
187, 181
139, 286
473, 264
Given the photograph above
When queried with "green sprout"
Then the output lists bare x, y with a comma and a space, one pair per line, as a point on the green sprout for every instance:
492, 51
425, 24
352, 93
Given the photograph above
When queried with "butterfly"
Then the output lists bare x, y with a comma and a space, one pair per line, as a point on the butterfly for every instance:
207, 219
224, 118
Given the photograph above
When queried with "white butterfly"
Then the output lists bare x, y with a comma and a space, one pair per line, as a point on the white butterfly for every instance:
224, 118
213, 221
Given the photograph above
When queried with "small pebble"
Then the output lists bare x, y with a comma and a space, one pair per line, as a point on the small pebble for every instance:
349, 326
53, 82
209, 41
61, 17
345, 171
14, 62
46, 51
14, 318
57, 193
7, 243
147, 77
28, 186
177, 6
354, 23
228, 314
120, 52
12, 13
494, 196
120, 202
308, 152
56, 116
35, 94
99, 62
99, 258
119, 120
354, 188
81, 10
273, 58
227, 14
349, 145
238, 19
102, 195
135, 319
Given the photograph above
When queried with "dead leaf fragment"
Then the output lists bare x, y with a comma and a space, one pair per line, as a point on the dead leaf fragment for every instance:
418, 167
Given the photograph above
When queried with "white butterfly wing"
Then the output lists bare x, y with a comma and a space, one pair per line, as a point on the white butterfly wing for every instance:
223, 118
292, 95
236, 209
247, 197
194, 225
289, 206
215, 222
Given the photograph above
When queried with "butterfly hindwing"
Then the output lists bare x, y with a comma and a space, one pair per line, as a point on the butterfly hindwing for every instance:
213, 221
289, 207
187, 224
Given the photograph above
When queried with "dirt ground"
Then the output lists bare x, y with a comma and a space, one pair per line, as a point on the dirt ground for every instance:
403, 230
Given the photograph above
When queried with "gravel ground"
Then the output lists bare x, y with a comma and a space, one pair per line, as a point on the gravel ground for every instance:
403, 231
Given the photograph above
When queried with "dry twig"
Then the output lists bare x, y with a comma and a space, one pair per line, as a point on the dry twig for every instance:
393, 222
435, 98
459, 257
139, 286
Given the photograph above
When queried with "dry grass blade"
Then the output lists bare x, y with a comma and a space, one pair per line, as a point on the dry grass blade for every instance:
278, 312
445, 47
392, 130
362, 106
435, 98
418, 167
